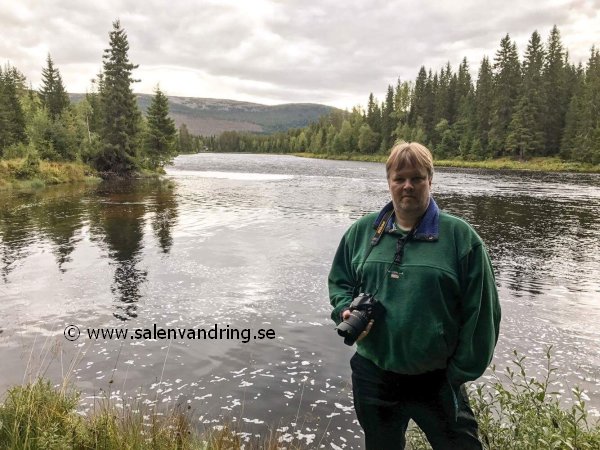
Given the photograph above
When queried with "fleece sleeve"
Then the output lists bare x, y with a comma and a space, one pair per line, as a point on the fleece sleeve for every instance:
480, 318
342, 279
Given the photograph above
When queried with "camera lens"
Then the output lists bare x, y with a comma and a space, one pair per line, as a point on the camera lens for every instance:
351, 328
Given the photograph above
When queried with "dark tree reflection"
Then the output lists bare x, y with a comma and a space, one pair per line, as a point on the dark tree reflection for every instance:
56, 214
165, 216
118, 224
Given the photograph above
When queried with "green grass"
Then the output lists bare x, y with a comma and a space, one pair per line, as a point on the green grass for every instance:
32, 173
39, 416
514, 411
545, 164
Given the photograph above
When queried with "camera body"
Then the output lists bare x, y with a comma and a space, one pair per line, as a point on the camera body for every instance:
363, 309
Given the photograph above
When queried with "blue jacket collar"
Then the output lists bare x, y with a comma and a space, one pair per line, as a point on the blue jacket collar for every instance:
428, 229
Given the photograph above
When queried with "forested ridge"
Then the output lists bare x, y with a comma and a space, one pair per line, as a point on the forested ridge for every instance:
543, 105
106, 130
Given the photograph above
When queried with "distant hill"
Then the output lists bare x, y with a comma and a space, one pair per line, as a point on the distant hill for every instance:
209, 116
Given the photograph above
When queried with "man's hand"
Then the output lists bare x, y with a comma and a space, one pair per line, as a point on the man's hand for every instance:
362, 335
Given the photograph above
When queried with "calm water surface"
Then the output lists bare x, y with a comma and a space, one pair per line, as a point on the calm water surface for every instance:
245, 242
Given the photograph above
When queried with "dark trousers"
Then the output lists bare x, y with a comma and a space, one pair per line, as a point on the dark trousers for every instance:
386, 401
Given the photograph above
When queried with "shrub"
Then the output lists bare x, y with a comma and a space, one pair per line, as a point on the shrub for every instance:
518, 411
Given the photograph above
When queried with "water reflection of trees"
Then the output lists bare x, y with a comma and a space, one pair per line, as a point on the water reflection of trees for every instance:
531, 239
164, 208
122, 211
17, 231
25, 218
116, 212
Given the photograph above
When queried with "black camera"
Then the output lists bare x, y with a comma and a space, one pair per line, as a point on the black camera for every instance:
362, 309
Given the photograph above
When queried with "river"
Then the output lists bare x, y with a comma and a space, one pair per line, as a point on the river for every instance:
232, 242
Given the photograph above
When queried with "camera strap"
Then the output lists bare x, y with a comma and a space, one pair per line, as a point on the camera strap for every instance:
380, 230
399, 246
374, 241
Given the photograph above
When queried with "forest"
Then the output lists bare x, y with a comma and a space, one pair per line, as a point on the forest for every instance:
105, 130
544, 106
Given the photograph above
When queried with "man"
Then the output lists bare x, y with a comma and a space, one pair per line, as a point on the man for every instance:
432, 274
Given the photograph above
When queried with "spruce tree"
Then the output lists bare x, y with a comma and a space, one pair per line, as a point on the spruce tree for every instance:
53, 93
444, 97
555, 92
464, 124
576, 77
184, 140
120, 114
402, 97
484, 98
526, 130
429, 100
417, 105
12, 119
507, 86
464, 85
373, 114
387, 121
160, 132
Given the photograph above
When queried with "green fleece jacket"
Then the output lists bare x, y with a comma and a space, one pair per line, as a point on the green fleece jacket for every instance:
442, 308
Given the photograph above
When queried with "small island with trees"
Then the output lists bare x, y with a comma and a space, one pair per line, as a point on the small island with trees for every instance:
46, 139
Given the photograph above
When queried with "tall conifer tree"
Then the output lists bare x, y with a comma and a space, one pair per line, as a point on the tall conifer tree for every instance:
555, 92
507, 86
484, 97
120, 114
387, 120
417, 106
160, 132
526, 129
465, 116
53, 93
12, 119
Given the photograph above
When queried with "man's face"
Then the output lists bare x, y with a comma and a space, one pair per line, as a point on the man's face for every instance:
410, 188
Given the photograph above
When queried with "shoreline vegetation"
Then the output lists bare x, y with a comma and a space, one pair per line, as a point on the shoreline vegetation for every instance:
514, 410
32, 173
539, 164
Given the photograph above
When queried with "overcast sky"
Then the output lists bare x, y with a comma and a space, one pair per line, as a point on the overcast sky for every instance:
328, 51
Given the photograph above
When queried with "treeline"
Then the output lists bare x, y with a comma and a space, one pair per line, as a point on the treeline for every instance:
105, 130
543, 106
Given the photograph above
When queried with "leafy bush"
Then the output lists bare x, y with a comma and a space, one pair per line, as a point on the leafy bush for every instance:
518, 411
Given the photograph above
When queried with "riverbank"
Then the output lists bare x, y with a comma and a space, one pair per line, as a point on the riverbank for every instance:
31, 173
514, 410
533, 164
24, 173
28, 173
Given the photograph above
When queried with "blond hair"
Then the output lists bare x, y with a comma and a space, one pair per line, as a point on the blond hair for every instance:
411, 154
